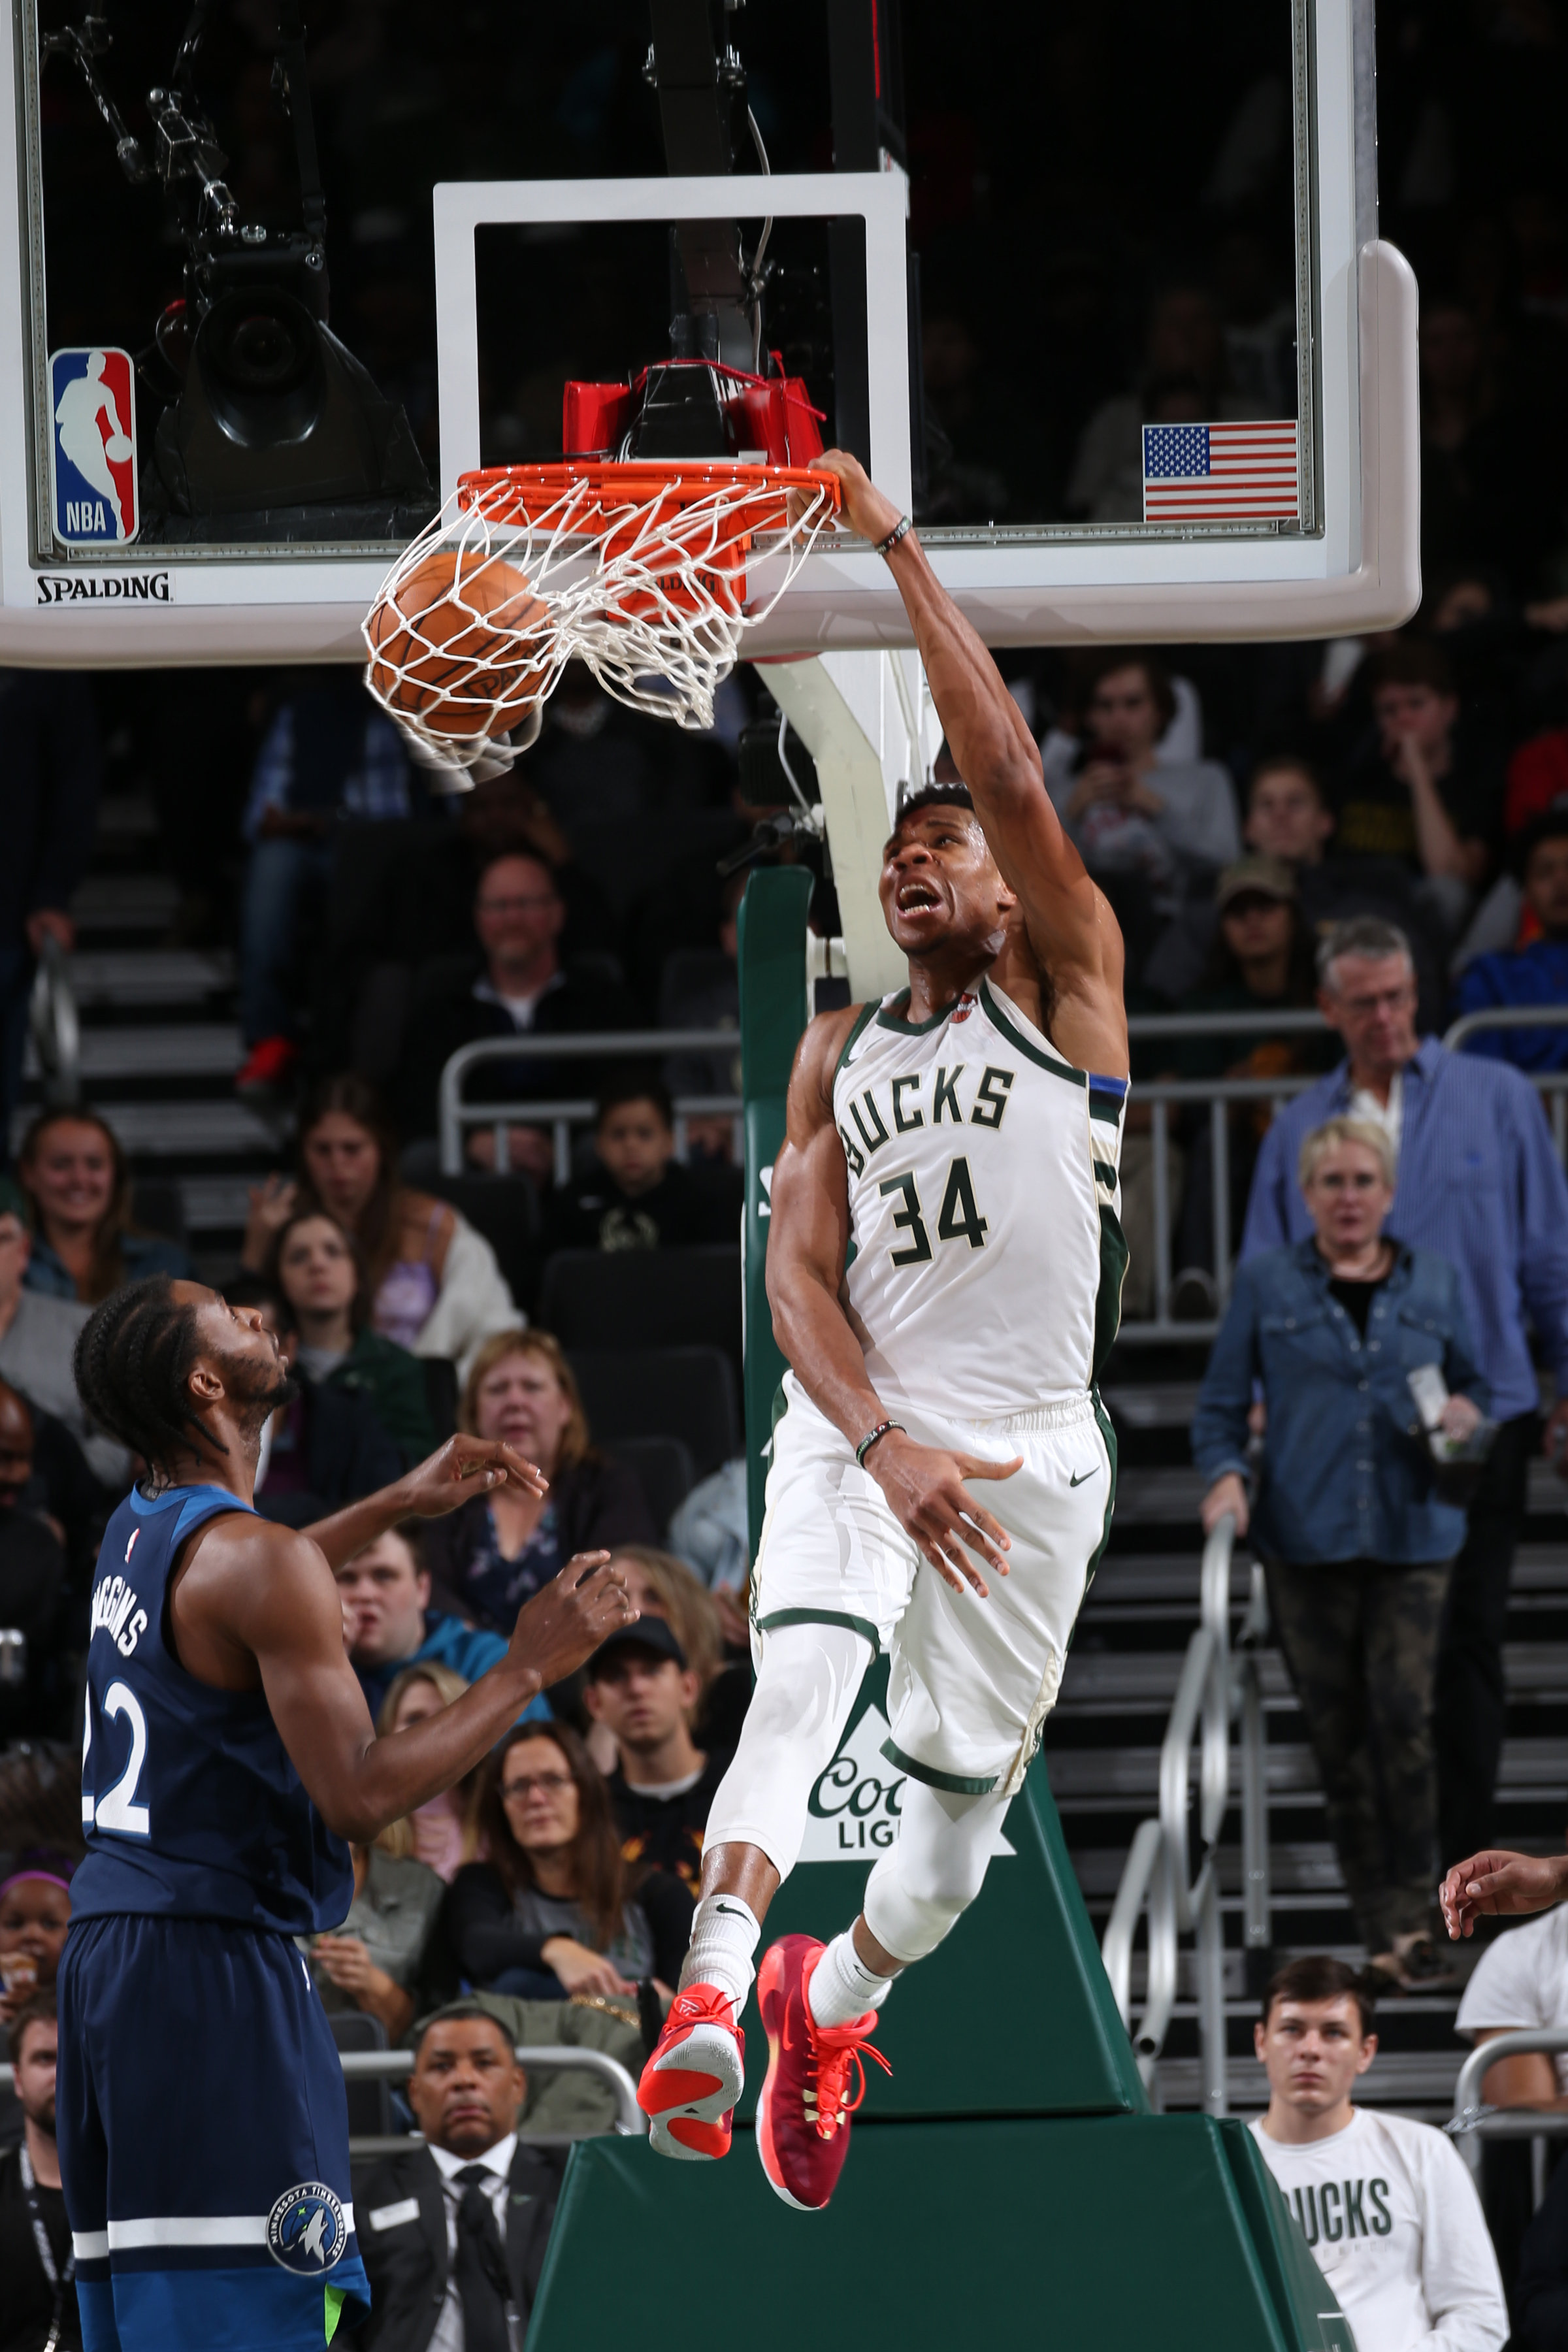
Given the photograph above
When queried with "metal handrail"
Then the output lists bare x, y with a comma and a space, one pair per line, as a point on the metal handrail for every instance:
1499, 1016
1473, 2121
396, 2065
1284, 1023
598, 1046
1219, 1683
1160, 1095
55, 1027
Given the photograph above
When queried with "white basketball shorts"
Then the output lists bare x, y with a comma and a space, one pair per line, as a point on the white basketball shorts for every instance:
971, 1681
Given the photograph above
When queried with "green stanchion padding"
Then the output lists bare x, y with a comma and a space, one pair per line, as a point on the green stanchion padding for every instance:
1064, 2050
1098, 2234
775, 1009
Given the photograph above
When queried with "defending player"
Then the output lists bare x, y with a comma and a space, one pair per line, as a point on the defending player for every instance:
228, 1754
964, 1135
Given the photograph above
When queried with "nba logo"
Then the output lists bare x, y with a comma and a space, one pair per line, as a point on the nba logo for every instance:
94, 447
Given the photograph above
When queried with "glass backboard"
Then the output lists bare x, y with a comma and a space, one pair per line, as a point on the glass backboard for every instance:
1098, 293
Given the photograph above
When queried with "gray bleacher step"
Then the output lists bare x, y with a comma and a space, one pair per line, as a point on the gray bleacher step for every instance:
1170, 1579
125, 902
124, 818
219, 1204
193, 1049
1169, 1495
1088, 1780
1163, 1404
1104, 1681
1406, 2079
173, 1131
1296, 1866
166, 976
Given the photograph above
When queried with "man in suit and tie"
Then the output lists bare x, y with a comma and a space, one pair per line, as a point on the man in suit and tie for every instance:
453, 2233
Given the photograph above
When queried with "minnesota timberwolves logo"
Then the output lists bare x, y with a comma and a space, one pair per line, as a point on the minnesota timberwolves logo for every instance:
307, 2229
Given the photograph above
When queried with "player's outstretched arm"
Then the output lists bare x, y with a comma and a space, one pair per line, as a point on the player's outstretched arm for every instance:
463, 1467
1071, 929
1505, 1885
256, 1600
808, 1235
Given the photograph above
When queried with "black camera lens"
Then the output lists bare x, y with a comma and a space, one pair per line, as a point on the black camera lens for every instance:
262, 353
260, 359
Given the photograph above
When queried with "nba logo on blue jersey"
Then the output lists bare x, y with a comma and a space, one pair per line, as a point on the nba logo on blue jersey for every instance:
94, 448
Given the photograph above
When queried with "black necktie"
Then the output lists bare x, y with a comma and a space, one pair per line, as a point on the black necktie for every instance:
480, 2270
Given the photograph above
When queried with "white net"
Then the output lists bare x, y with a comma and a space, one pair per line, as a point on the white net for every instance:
643, 573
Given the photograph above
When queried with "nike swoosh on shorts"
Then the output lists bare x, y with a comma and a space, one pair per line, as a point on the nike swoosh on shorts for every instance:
1079, 1477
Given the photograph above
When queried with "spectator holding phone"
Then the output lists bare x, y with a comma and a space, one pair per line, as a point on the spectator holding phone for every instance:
1358, 1560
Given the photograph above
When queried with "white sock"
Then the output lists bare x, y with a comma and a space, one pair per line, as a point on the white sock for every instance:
842, 1986
724, 1932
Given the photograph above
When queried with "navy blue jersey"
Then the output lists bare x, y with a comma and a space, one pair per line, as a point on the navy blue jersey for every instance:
190, 1804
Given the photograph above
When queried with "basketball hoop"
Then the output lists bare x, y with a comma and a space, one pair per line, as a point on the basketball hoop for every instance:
640, 570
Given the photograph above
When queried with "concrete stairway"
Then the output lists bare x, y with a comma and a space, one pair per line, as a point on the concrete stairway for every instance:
1102, 1744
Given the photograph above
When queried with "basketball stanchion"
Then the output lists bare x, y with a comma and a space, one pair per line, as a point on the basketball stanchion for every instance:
643, 571
1008, 2180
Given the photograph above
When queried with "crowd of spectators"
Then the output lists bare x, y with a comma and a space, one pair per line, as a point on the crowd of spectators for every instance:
1374, 829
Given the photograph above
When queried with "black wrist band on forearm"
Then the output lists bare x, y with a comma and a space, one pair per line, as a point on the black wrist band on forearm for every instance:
871, 1436
886, 546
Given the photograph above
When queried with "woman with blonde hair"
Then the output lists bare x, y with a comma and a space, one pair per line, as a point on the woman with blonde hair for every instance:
494, 1553
445, 1833
1349, 1514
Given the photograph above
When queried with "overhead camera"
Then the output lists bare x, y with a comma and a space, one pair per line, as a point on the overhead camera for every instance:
271, 429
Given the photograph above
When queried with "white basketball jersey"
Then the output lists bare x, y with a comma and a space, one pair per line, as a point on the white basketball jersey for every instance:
986, 1255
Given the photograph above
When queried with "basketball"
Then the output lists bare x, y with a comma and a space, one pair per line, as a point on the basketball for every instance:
117, 448
460, 644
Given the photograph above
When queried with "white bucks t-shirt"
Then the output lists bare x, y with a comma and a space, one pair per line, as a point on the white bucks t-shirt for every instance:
1522, 1981
1396, 2226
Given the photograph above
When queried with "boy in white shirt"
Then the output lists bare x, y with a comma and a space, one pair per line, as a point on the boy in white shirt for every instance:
1386, 2204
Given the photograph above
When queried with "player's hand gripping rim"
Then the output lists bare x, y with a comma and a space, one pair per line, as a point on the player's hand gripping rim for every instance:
924, 1484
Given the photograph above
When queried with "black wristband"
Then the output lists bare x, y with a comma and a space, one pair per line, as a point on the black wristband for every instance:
871, 1436
886, 546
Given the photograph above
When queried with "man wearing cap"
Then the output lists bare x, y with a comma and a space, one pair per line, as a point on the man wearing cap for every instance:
643, 1692
1261, 962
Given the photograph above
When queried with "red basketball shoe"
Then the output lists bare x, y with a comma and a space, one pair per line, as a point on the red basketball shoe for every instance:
803, 2115
691, 2084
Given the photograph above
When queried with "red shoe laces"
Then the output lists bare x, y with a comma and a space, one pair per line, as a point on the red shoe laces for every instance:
831, 2068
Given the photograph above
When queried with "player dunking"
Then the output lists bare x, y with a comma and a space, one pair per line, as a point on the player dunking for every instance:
228, 1754
964, 1135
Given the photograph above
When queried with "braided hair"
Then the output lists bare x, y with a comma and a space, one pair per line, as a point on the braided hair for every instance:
134, 1357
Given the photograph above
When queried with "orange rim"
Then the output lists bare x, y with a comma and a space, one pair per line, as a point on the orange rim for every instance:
528, 493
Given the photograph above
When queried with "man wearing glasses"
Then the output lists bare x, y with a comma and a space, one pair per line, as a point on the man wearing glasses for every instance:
515, 986
1479, 1184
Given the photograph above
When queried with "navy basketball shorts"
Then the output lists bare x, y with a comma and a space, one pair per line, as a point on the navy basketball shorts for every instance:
204, 2141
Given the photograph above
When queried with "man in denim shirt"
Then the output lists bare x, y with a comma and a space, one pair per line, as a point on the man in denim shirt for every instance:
1479, 1185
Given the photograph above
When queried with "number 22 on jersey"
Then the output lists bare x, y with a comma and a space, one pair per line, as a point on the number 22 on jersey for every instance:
117, 1809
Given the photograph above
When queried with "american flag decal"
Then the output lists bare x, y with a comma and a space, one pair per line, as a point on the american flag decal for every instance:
1221, 472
